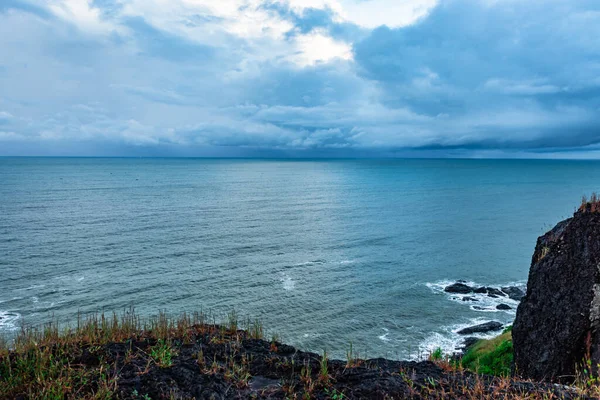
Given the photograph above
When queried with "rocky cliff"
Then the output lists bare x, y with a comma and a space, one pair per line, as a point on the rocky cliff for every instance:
556, 326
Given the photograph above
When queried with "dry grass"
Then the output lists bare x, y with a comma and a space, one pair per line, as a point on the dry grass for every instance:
591, 205
41, 363
49, 362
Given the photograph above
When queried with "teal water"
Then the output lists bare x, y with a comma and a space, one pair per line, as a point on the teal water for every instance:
324, 252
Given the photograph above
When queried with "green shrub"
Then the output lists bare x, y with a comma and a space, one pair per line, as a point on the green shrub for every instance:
437, 355
491, 357
162, 353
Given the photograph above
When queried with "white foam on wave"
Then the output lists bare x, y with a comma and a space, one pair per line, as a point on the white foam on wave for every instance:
384, 337
447, 337
8, 320
448, 340
287, 282
483, 303
33, 287
433, 342
306, 263
438, 287
344, 262
311, 335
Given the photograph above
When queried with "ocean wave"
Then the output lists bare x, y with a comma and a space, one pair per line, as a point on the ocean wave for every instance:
448, 340
480, 302
384, 337
287, 282
8, 320
306, 263
32, 287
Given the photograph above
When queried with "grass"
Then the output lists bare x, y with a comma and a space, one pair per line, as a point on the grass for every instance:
53, 362
44, 362
491, 357
591, 205
437, 355
163, 353
324, 370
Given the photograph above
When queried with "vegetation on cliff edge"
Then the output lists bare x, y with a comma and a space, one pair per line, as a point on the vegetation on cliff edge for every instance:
125, 357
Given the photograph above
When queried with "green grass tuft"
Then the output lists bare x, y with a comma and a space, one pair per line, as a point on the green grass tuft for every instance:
491, 357
436, 355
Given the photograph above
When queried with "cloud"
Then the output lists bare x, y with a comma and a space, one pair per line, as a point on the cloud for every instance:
5, 117
317, 47
239, 77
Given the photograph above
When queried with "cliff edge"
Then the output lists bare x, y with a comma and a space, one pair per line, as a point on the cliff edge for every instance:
556, 327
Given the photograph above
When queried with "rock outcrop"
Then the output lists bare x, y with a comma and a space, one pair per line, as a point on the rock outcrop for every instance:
458, 288
482, 328
513, 292
558, 320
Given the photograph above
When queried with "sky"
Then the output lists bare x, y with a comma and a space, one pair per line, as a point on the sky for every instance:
300, 78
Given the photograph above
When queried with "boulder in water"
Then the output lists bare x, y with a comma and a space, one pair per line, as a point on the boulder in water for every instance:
468, 298
495, 292
503, 307
491, 292
458, 288
513, 292
481, 328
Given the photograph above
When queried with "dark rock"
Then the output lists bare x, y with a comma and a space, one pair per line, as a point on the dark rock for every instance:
261, 383
495, 292
491, 292
469, 342
481, 328
503, 307
558, 320
467, 298
203, 368
479, 308
493, 296
458, 288
513, 292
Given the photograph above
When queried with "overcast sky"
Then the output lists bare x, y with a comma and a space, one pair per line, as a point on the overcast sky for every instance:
466, 78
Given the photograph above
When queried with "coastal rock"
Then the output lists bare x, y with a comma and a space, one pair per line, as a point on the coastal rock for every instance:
513, 292
481, 328
469, 342
558, 321
458, 288
503, 307
491, 292
495, 292
467, 298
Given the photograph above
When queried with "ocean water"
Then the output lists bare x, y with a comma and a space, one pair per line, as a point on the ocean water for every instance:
324, 252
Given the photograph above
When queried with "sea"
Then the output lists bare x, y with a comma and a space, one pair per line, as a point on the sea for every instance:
325, 253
